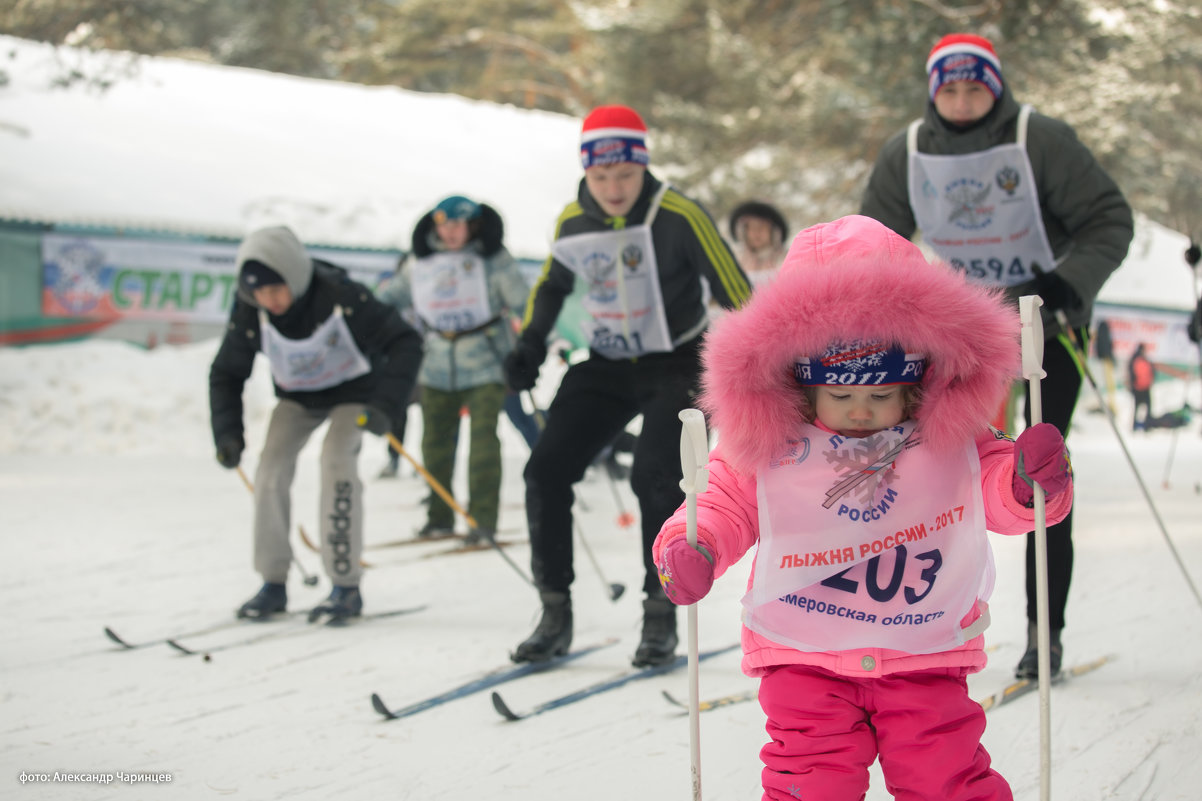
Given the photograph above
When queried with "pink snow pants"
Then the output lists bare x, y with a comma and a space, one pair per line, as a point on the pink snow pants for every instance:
827, 729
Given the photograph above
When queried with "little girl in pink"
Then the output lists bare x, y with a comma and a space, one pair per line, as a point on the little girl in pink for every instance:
850, 400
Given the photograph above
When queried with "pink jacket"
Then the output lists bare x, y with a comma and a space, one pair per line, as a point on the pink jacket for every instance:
854, 278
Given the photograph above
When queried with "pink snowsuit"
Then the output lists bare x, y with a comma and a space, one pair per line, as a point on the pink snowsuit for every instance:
832, 712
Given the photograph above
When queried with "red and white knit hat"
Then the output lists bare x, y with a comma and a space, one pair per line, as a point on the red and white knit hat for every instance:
964, 57
613, 135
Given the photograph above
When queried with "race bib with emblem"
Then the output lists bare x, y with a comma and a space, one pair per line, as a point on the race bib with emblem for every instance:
621, 294
450, 291
868, 543
980, 211
326, 358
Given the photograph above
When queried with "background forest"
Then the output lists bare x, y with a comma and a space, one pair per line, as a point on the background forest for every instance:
786, 100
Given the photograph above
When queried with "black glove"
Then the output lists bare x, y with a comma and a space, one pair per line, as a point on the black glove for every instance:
1193, 254
1056, 292
229, 451
375, 421
521, 365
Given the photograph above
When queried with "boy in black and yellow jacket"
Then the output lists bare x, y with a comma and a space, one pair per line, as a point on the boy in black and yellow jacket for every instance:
635, 251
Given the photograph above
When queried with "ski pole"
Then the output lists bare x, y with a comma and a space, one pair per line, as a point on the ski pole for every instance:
1032, 345
694, 452
446, 496
625, 518
1072, 338
1168, 465
433, 482
539, 416
309, 579
614, 589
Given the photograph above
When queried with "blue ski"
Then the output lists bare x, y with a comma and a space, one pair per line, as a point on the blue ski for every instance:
617, 681
490, 679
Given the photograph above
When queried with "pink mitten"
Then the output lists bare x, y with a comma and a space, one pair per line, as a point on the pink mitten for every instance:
686, 573
1040, 457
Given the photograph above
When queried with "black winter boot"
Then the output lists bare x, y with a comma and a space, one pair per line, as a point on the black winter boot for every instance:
343, 603
1028, 666
553, 635
658, 646
270, 599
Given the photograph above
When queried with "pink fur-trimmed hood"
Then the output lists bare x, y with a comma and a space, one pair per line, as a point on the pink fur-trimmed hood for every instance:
855, 279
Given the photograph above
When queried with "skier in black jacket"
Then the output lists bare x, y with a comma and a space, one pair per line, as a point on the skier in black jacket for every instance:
639, 251
336, 353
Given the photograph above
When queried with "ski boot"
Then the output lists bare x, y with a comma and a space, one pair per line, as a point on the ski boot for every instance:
658, 645
430, 531
1028, 666
343, 603
479, 536
270, 599
553, 635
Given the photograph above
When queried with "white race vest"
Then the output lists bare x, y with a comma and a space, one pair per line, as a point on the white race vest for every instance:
869, 543
326, 358
625, 307
450, 291
980, 211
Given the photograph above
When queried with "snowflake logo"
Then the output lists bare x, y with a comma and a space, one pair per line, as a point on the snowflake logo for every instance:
967, 199
863, 465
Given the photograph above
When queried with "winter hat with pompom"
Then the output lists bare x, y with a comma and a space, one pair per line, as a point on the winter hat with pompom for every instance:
964, 57
613, 135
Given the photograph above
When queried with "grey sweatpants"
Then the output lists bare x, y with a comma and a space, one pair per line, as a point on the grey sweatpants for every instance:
340, 517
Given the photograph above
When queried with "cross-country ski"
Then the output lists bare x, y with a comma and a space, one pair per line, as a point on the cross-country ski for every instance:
271, 630
597, 688
712, 703
487, 681
128, 645
1020, 687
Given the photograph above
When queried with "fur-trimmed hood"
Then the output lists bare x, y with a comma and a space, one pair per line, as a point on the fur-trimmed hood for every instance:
855, 279
487, 234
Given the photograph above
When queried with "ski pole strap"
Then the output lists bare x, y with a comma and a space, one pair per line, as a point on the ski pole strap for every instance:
1076, 351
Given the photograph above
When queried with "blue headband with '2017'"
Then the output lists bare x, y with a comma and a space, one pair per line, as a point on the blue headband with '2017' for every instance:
860, 363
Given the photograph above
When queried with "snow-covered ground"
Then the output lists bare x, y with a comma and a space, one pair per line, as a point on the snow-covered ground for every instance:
115, 513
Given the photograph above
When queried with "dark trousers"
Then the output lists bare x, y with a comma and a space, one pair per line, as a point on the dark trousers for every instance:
595, 401
1143, 401
1059, 392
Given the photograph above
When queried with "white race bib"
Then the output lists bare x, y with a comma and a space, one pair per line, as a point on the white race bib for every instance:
622, 297
980, 211
868, 543
326, 358
450, 291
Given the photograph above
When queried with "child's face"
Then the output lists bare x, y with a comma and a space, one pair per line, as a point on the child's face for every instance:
859, 411
615, 187
275, 299
453, 233
757, 233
